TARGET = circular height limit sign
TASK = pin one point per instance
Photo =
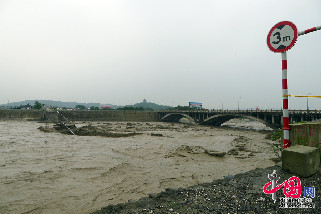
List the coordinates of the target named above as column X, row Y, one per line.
column 282, row 36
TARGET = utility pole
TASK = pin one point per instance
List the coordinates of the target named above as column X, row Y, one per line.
column 308, row 102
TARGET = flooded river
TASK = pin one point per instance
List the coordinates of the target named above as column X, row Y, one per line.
column 51, row 172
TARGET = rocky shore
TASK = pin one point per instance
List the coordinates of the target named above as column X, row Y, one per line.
column 240, row 193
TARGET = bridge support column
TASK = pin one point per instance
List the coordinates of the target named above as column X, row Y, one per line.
column 264, row 117
column 291, row 120
column 273, row 119
column 302, row 118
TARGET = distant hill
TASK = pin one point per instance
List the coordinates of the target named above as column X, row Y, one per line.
column 53, row 103
column 148, row 105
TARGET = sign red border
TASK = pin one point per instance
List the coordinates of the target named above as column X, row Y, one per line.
column 293, row 41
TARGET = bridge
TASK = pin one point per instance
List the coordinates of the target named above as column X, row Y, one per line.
column 272, row 118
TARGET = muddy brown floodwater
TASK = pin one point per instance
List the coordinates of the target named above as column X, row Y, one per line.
column 51, row 172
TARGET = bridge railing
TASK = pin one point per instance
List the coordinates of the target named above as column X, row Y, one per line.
column 247, row 111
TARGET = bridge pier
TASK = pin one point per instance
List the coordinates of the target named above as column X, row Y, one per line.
column 264, row 117
column 272, row 119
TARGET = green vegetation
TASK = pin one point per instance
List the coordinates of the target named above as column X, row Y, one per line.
column 107, row 109
column 94, row 108
column 276, row 135
column 144, row 106
column 81, row 107
column 37, row 105
column 301, row 122
column 147, row 106
column 181, row 108
column 131, row 108
column 54, row 104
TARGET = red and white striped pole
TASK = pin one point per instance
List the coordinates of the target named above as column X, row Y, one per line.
column 280, row 39
column 309, row 30
column 286, row 127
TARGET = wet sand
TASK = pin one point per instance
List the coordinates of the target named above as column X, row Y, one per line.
column 50, row 172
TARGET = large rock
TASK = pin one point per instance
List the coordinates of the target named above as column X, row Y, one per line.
column 301, row 160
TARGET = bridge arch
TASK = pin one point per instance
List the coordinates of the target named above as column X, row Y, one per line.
column 175, row 117
column 219, row 119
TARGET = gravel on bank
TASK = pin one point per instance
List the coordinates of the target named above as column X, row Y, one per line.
column 241, row 193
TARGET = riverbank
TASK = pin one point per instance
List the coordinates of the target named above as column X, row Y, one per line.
column 242, row 193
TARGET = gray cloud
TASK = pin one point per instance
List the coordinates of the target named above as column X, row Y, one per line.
column 169, row 52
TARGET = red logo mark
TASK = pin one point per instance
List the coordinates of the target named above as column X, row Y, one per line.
column 291, row 189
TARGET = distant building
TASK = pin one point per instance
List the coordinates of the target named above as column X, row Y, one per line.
column 105, row 107
column 28, row 106
column 144, row 101
column 47, row 108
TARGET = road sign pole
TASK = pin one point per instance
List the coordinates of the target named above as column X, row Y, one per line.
column 280, row 39
column 309, row 30
column 286, row 127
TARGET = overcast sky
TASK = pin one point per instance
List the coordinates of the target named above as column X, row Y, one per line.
column 168, row 51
